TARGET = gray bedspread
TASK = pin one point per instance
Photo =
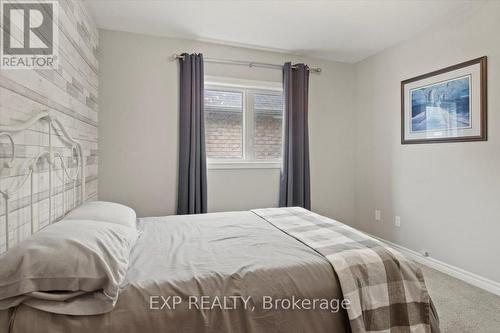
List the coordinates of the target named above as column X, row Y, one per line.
column 385, row 290
column 235, row 254
column 211, row 273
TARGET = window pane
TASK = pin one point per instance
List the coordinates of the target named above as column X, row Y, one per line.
column 224, row 124
column 268, row 111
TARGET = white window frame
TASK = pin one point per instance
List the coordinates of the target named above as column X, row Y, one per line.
column 243, row 86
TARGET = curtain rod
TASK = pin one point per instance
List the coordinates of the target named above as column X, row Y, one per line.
column 246, row 63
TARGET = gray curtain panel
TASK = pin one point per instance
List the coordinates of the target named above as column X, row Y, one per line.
column 192, row 190
column 295, row 173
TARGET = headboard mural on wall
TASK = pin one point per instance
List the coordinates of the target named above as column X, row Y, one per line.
column 68, row 94
column 53, row 181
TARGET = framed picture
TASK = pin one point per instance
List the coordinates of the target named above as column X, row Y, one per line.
column 446, row 105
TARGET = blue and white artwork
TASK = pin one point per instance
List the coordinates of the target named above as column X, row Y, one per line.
column 441, row 106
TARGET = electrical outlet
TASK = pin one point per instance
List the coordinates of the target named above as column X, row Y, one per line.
column 378, row 215
column 397, row 221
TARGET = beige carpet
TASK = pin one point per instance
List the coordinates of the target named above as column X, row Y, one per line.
column 462, row 308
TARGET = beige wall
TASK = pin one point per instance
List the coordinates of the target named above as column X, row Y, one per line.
column 139, row 119
column 448, row 195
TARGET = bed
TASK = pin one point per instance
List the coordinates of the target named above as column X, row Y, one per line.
column 217, row 272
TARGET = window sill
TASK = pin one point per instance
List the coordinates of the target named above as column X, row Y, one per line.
column 221, row 165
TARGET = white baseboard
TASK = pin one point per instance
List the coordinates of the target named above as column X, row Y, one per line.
column 461, row 274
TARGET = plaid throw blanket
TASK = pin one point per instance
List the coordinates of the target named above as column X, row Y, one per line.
column 386, row 291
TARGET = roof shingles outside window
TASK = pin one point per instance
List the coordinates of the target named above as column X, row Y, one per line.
column 268, row 103
column 217, row 100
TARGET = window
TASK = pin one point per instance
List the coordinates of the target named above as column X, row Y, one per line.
column 268, row 115
column 224, row 123
column 243, row 124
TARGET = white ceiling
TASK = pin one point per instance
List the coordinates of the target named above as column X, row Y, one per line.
column 346, row 31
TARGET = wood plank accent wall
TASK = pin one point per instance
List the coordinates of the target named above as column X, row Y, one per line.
column 70, row 92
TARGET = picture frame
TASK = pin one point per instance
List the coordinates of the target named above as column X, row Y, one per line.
column 447, row 105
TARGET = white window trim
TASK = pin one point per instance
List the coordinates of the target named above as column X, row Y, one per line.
column 234, row 84
column 221, row 165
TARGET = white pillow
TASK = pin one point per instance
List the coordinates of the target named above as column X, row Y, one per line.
column 70, row 267
column 104, row 211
